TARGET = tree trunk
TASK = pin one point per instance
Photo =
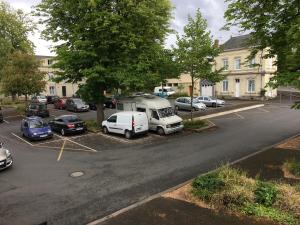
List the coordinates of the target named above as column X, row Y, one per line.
column 100, row 114
column 192, row 96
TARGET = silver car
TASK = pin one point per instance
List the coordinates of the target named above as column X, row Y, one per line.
column 209, row 101
column 185, row 103
column 6, row 159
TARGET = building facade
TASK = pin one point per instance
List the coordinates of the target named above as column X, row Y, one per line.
column 244, row 78
column 61, row 89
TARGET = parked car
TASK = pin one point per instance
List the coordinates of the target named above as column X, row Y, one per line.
column 39, row 99
column 51, row 99
column 163, row 91
column 68, row 124
column 210, row 101
column 1, row 116
column 185, row 103
column 110, row 102
column 34, row 128
column 76, row 105
column 160, row 114
column 127, row 123
column 6, row 159
column 60, row 103
column 37, row 109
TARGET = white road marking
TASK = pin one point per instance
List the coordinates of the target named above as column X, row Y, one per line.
column 240, row 116
column 22, row 139
column 6, row 121
column 84, row 146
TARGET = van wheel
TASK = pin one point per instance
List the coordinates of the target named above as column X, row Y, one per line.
column 62, row 132
column 160, row 131
column 105, row 130
column 128, row 134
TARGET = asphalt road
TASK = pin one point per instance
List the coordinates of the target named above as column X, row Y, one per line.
column 39, row 188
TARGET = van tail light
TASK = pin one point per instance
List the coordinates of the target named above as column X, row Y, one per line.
column 133, row 123
column 70, row 125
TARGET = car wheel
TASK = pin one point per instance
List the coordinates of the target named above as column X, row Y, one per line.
column 62, row 132
column 194, row 109
column 214, row 105
column 128, row 134
column 105, row 130
column 160, row 131
column 176, row 108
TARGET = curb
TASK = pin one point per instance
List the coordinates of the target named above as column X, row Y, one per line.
column 96, row 222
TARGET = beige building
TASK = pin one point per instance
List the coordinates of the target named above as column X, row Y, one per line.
column 61, row 89
column 244, row 79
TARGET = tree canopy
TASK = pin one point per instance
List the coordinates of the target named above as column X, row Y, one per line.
column 275, row 27
column 196, row 51
column 105, row 43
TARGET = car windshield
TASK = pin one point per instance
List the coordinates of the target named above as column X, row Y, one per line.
column 165, row 112
column 72, row 119
column 36, row 124
column 79, row 101
column 42, row 97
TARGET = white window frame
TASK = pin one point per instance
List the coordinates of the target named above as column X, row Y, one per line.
column 237, row 59
column 226, row 83
column 251, row 88
column 225, row 65
column 52, row 90
column 252, row 63
column 50, row 75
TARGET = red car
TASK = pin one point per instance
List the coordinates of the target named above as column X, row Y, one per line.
column 60, row 103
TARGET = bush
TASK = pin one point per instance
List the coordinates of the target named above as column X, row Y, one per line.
column 293, row 167
column 265, row 193
column 179, row 94
column 194, row 124
column 205, row 186
column 92, row 126
column 270, row 213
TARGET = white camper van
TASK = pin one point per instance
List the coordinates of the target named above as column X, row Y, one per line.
column 159, row 111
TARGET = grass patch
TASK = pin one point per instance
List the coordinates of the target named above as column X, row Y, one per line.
column 231, row 189
column 194, row 124
column 92, row 126
column 21, row 109
column 293, row 167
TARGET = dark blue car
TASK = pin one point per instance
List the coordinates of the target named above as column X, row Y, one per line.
column 34, row 128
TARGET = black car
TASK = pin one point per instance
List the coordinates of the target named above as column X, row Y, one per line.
column 51, row 99
column 37, row 109
column 110, row 102
column 1, row 116
column 76, row 105
column 68, row 124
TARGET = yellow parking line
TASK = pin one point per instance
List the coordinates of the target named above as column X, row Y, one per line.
column 22, row 139
column 61, row 151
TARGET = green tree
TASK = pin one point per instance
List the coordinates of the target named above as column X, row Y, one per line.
column 107, row 44
column 196, row 52
column 275, row 28
column 22, row 75
column 14, row 29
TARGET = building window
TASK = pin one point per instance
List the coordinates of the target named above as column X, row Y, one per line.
column 252, row 63
column 52, row 90
column 175, row 84
column 225, row 85
column 50, row 76
column 225, row 64
column 251, row 86
column 50, row 61
column 237, row 63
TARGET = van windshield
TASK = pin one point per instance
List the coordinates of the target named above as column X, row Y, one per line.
column 166, row 112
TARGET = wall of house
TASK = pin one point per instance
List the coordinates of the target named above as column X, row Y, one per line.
column 53, row 88
column 185, row 81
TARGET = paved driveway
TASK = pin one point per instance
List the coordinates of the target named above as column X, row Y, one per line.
column 39, row 188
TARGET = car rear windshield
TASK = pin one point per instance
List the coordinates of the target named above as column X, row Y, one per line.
column 78, row 101
column 71, row 119
column 166, row 112
column 36, row 124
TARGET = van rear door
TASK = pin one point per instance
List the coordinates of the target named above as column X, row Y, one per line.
column 140, row 122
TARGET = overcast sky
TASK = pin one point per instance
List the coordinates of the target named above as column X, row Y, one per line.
column 212, row 10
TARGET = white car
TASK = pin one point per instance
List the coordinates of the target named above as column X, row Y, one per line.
column 39, row 99
column 6, row 159
column 209, row 101
column 185, row 103
column 127, row 123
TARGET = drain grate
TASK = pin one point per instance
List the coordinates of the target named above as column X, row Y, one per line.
column 77, row 174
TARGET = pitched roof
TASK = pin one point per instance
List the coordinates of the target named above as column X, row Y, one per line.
column 41, row 57
column 237, row 42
